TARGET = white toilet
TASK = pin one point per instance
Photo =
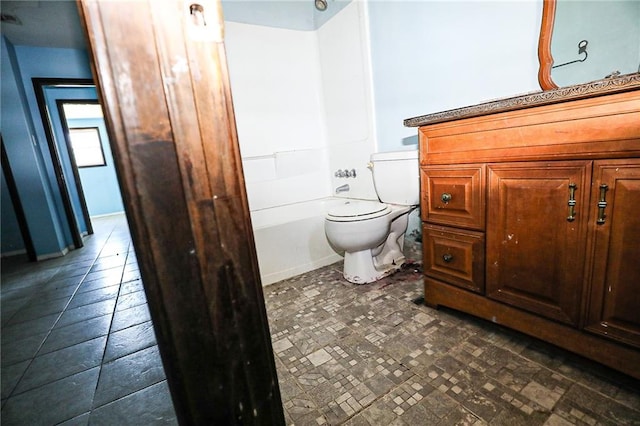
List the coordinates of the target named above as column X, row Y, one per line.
column 371, row 233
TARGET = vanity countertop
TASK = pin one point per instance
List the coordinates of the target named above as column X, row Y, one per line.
column 595, row 88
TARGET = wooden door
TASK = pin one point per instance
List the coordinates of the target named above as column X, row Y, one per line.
column 161, row 72
column 536, row 236
column 614, row 304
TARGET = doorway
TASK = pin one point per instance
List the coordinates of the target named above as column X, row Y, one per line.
column 87, row 141
column 72, row 200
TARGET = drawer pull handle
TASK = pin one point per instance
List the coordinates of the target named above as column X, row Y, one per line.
column 602, row 204
column 572, row 202
column 446, row 197
column 447, row 258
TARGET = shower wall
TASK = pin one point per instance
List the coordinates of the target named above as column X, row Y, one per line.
column 275, row 80
column 304, row 108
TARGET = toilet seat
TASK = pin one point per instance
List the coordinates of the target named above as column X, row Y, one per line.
column 352, row 211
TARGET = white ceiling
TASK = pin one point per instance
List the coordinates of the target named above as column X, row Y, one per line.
column 55, row 23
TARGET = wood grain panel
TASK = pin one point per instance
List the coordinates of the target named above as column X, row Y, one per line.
column 163, row 80
column 465, row 187
column 455, row 256
column 623, row 103
column 591, row 128
column 614, row 307
column 535, row 255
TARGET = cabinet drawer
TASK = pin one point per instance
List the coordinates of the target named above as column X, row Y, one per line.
column 454, row 196
column 455, row 256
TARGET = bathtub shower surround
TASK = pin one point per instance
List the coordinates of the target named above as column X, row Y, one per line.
column 290, row 239
column 303, row 111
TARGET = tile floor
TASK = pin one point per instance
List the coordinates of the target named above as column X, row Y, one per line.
column 78, row 348
column 77, row 341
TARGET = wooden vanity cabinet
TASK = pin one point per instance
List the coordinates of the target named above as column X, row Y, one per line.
column 531, row 219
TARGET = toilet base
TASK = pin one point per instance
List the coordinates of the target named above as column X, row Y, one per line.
column 359, row 267
column 371, row 264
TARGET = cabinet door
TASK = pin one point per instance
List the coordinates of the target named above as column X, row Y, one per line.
column 614, row 305
column 536, row 236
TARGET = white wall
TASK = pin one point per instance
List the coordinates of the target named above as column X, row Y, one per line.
column 431, row 56
column 304, row 108
column 348, row 98
column 277, row 96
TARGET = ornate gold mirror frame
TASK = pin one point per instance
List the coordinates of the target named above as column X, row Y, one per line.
column 544, row 45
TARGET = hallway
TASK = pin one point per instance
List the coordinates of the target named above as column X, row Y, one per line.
column 77, row 340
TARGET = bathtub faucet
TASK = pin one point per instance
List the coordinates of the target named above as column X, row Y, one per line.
column 342, row 188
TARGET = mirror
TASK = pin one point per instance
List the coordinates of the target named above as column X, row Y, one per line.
column 587, row 41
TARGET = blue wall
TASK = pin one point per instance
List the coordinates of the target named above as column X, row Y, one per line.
column 50, row 63
column 100, row 184
column 437, row 55
column 51, row 94
column 12, row 242
column 25, row 139
column 612, row 29
column 26, row 161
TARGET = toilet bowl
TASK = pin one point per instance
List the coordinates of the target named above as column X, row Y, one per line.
column 371, row 233
column 371, row 242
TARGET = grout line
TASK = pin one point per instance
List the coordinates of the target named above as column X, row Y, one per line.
column 510, row 345
column 12, row 392
column 113, row 314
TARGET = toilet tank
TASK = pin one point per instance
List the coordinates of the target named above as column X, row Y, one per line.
column 396, row 177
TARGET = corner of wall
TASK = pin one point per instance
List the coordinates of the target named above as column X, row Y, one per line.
column 17, row 130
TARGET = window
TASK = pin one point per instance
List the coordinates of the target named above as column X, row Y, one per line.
column 87, row 147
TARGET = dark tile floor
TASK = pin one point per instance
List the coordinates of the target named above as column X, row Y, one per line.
column 77, row 342
column 78, row 348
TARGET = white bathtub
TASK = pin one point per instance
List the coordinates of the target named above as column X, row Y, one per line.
column 290, row 239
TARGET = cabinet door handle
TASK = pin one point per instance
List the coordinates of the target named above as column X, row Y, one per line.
column 447, row 257
column 446, row 197
column 572, row 202
column 602, row 204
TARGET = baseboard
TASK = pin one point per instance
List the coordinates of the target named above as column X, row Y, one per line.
column 53, row 255
column 298, row 270
column 98, row 216
column 13, row 253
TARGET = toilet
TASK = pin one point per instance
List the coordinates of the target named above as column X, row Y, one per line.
column 371, row 233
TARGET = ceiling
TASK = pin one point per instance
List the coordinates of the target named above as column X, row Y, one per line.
column 52, row 23
column 43, row 23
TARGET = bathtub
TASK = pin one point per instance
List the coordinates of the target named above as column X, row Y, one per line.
column 290, row 239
